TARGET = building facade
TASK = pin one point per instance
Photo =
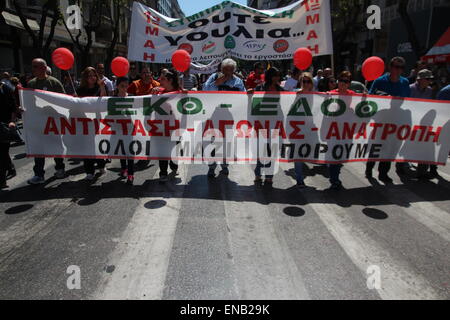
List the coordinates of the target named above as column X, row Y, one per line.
column 16, row 45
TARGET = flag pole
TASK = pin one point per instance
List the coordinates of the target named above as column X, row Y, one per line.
column 332, row 64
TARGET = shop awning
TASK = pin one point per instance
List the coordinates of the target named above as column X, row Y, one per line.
column 14, row 21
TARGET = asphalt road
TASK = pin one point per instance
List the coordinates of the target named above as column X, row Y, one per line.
column 195, row 238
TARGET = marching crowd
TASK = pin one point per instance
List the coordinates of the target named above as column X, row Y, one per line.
column 93, row 82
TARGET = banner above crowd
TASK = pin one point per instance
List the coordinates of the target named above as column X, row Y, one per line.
column 238, row 127
column 231, row 29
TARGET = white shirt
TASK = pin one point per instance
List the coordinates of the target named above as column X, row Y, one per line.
column 316, row 80
column 108, row 84
column 290, row 84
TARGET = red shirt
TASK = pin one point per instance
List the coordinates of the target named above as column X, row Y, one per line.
column 162, row 90
column 139, row 88
column 348, row 91
column 254, row 80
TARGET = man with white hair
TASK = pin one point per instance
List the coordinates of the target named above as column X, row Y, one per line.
column 223, row 81
column 43, row 81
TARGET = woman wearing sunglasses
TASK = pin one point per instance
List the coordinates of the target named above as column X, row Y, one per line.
column 169, row 80
column 306, row 85
column 92, row 86
column 126, row 166
column 344, row 81
column 272, row 78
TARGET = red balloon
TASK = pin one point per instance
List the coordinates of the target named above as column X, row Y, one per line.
column 181, row 60
column 63, row 58
column 120, row 66
column 373, row 68
column 302, row 58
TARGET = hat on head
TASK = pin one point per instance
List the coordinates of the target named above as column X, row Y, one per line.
column 424, row 74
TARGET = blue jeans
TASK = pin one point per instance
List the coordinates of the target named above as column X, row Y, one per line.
column 298, row 166
column 334, row 171
column 259, row 165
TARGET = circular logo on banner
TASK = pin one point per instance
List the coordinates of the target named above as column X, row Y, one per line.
column 186, row 47
column 280, row 45
column 209, row 47
column 229, row 42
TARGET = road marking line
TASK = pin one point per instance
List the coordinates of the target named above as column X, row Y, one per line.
column 426, row 213
column 398, row 279
column 264, row 265
column 141, row 258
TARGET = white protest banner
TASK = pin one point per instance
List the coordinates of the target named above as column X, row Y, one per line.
column 198, row 68
column 321, row 128
column 231, row 29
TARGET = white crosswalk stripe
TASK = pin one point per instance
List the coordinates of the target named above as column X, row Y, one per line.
column 424, row 212
column 399, row 280
column 141, row 257
column 265, row 269
column 263, row 263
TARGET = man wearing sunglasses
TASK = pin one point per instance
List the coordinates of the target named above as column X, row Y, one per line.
column 395, row 85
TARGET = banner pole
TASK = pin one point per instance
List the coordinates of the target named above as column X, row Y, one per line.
column 332, row 64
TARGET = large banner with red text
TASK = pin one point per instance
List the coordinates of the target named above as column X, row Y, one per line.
column 238, row 127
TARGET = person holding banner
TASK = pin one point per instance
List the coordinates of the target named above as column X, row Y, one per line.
column 306, row 86
column 392, row 84
column 92, row 86
column 344, row 81
column 126, row 166
column 7, row 117
column 43, row 81
column 272, row 78
column 421, row 89
column 444, row 94
column 169, row 83
column 144, row 85
column 100, row 68
column 189, row 81
column 256, row 77
column 223, row 81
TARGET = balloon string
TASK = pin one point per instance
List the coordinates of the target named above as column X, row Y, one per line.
column 74, row 91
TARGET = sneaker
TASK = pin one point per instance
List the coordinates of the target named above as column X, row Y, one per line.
column 385, row 179
column 163, row 178
column 36, row 180
column 130, row 179
column 101, row 171
column 211, row 173
column 124, row 173
column 89, row 177
column 11, row 174
column 301, row 185
column 60, row 174
column 225, row 171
